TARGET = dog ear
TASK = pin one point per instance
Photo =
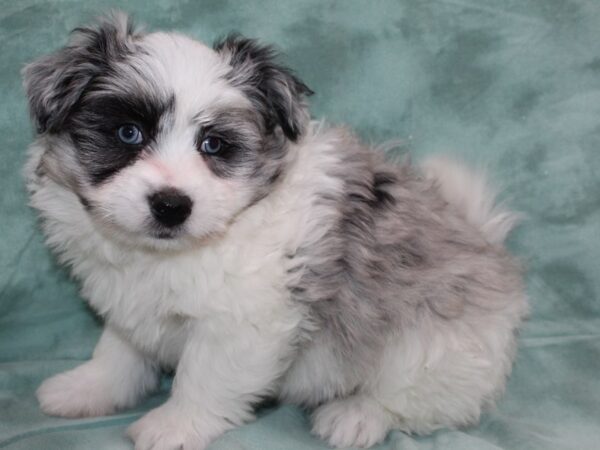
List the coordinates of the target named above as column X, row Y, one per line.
column 54, row 83
column 273, row 89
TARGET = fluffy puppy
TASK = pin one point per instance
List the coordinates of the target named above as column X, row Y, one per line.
column 221, row 233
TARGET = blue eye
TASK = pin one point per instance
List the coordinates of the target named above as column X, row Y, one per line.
column 130, row 134
column 211, row 145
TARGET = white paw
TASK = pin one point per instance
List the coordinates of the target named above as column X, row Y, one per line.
column 352, row 422
column 80, row 392
column 171, row 428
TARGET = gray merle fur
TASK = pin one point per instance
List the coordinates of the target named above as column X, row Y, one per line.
column 55, row 83
column 76, row 91
column 273, row 89
column 395, row 253
column 248, row 151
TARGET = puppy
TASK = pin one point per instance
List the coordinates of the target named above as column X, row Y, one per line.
column 221, row 233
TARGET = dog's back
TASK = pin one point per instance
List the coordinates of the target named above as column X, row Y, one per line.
column 414, row 299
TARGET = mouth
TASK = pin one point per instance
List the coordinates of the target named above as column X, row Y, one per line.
column 165, row 234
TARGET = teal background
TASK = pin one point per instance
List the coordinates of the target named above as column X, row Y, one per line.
column 510, row 85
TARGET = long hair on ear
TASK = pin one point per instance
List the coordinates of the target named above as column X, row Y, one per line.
column 274, row 90
column 54, row 83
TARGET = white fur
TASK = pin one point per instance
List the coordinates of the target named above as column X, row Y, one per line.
column 218, row 310
column 355, row 421
column 116, row 377
column 218, row 313
column 469, row 192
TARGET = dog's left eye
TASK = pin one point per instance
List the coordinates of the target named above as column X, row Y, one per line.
column 130, row 134
column 211, row 145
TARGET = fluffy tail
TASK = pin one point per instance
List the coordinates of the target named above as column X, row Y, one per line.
column 469, row 192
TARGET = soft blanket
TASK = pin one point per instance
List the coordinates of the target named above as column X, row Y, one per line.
column 512, row 85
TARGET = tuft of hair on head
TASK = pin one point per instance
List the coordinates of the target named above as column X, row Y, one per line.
column 273, row 89
column 54, row 83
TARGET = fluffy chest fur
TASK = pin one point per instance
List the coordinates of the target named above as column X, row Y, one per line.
column 149, row 297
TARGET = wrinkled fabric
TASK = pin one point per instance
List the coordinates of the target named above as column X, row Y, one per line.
column 512, row 86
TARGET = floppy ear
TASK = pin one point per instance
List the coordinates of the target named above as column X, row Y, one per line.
column 54, row 83
column 273, row 89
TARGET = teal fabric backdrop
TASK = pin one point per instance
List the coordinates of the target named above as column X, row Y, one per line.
column 511, row 85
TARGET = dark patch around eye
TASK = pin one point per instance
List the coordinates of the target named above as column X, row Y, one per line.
column 240, row 144
column 94, row 123
column 232, row 157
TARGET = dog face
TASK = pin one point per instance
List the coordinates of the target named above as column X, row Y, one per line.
column 163, row 139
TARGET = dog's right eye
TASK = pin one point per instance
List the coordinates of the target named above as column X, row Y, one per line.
column 130, row 134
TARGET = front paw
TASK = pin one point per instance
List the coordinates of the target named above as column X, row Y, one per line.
column 81, row 392
column 170, row 427
column 355, row 421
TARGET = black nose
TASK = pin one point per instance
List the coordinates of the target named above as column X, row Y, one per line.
column 170, row 207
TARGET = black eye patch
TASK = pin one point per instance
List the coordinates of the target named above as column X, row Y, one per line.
column 94, row 126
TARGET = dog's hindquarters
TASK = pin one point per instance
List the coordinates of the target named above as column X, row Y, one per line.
column 459, row 300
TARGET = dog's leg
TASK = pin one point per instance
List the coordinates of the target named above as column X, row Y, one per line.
column 355, row 421
column 224, row 370
column 116, row 377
